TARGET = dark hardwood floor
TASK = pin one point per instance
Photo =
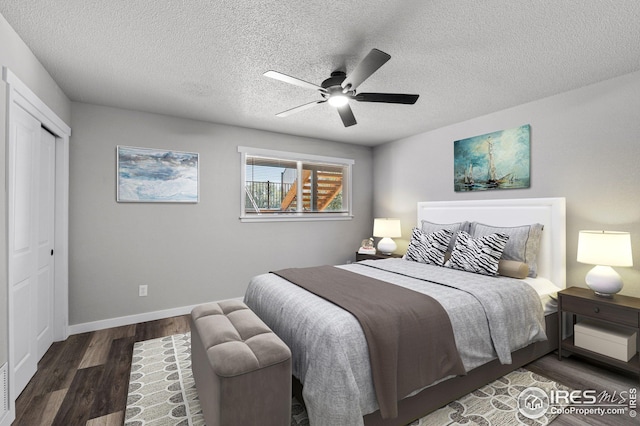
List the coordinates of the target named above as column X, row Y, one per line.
column 84, row 380
column 582, row 374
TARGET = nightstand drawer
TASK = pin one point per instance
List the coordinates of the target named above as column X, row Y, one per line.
column 600, row 310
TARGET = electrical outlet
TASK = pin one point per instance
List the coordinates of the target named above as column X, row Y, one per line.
column 142, row 290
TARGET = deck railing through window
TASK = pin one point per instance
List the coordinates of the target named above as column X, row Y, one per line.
column 281, row 186
column 266, row 195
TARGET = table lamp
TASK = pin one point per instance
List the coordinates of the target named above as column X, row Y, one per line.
column 387, row 229
column 604, row 249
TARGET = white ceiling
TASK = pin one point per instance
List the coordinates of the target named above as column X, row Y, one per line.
column 205, row 59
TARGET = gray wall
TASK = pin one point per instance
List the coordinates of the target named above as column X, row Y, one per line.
column 585, row 146
column 187, row 253
column 16, row 56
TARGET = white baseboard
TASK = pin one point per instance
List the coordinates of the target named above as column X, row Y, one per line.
column 132, row 319
column 7, row 419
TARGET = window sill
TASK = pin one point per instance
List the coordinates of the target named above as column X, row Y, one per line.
column 293, row 217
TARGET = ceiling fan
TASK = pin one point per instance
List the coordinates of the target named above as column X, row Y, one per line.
column 338, row 89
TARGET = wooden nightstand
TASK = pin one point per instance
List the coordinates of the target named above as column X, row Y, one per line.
column 619, row 310
column 360, row 256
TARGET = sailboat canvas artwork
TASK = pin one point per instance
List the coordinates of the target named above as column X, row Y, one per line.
column 498, row 160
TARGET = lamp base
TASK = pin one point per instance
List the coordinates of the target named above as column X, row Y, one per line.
column 608, row 295
column 604, row 281
column 387, row 246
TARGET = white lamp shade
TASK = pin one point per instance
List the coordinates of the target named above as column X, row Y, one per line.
column 386, row 228
column 605, row 248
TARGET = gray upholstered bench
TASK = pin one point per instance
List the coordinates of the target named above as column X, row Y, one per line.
column 242, row 370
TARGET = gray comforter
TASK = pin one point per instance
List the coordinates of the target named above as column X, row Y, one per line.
column 491, row 317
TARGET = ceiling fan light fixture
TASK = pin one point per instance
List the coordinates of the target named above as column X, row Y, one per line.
column 338, row 101
column 338, row 89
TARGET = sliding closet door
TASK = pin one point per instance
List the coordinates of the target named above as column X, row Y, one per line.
column 31, row 164
column 45, row 192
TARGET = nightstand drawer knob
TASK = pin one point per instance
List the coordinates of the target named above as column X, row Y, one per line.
column 596, row 309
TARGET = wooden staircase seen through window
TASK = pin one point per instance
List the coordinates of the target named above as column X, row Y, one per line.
column 327, row 186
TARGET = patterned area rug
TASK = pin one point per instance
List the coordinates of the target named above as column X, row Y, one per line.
column 162, row 392
column 494, row 404
column 161, row 388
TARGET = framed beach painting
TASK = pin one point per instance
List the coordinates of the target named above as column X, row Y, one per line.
column 498, row 160
column 156, row 176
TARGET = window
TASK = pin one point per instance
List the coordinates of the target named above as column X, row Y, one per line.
column 279, row 185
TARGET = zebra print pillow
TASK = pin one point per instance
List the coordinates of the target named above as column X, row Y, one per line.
column 479, row 255
column 428, row 248
column 429, row 227
column 523, row 245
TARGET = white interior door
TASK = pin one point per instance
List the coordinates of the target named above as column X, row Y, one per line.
column 27, row 114
column 45, row 193
column 31, row 199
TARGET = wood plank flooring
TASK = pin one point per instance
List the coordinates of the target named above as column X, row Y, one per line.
column 84, row 380
column 581, row 374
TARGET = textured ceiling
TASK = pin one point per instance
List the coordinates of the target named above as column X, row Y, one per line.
column 205, row 59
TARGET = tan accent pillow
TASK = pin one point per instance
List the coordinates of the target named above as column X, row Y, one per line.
column 506, row 268
column 513, row 269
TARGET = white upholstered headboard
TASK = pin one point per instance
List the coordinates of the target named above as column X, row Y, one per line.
column 548, row 211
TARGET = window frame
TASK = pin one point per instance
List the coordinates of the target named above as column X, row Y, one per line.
column 299, row 158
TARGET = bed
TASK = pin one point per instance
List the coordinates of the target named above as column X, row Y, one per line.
column 329, row 349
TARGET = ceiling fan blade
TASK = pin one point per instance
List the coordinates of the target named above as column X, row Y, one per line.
column 390, row 98
column 348, row 119
column 300, row 108
column 292, row 80
column 370, row 64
